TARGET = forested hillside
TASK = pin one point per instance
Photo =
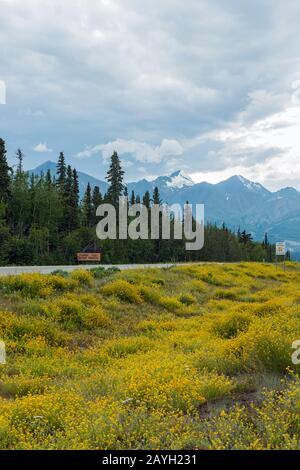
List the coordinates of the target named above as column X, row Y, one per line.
column 44, row 221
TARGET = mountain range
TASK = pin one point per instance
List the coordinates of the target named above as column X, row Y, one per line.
column 236, row 201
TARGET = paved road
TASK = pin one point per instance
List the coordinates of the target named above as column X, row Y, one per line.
column 9, row 270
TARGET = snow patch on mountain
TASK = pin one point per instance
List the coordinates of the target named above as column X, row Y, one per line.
column 179, row 180
column 250, row 184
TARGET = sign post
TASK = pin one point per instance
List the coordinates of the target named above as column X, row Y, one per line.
column 281, row 251
column 90, row 254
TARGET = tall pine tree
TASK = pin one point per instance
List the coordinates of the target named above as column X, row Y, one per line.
column 96, row 202
column 115, row 179
column 61, row 173
column 132, row 199
column 87, row 207
column 147, row 200
column 20, row 158
column 5, row 171
column 156, row 196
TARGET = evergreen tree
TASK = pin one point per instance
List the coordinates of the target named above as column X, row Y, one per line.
column 75, row 189
column 156, row 196
column 246, row 237
column 266, row 241
column 87, row 207
column 61, row 173
column 4, row 236
column 48, row 179
column 68, row 200
column 20, row 204
column 75, row 198
column 20, row 158
column 68, row 184
column 157, row 243
column 269, row 249
column 147, row 200
column 132, row 199
column 115, row 179
column 5, row 171
column 96, row 198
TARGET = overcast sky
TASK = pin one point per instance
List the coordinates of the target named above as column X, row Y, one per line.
column 208, row 86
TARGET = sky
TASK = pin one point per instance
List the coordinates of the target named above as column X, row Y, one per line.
column 211, row 87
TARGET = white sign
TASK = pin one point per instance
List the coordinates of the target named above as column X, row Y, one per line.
column 280, row 249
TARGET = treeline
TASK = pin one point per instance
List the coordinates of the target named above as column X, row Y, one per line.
column 44, row 222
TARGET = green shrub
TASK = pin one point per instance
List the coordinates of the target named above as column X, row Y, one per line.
column 187, row 299
column 230, row 325
column 83, row 276
column 123, row 290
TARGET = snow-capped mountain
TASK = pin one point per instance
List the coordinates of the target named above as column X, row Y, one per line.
column 179, row 180
column 236, row 201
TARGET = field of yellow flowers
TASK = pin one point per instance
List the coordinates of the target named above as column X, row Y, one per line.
column 190, row 357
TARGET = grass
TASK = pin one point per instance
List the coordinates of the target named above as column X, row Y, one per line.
column 193, row 357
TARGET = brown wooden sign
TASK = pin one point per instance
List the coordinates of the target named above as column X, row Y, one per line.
column 87, row 257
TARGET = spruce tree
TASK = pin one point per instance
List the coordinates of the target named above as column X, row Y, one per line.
column 156, row 196
column 67, row 200
column 20, row 158
column 5, row 171
column 48, row 179
column 147, row 200
column 61, row 173
column 75, row 189
column 87, row 207
column 96, row 198
column 74, row 200
column 68, row 184
column 132, row 199
column 157, row 243
column 115, row 179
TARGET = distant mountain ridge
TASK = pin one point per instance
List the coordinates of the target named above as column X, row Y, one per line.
column 84, row 178
column 236, row 201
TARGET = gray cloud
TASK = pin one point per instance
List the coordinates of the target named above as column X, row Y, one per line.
column 89, row 76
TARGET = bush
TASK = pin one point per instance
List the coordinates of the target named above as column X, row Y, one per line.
column 101, row 273
column 158, row 282
column 170, row 303
column 83, row 276
column 36, row 285
column 187, row 299
column 230, row 325
column 230, row 294
column 150, row 294
column 60, row 272
column 123, row 290
column 21, row 328
column 74, row 313
column 125, row 346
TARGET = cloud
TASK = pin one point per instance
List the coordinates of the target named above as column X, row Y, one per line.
column 140, row 151
column 42, row 148
column 161, row 82
column 265, row 149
